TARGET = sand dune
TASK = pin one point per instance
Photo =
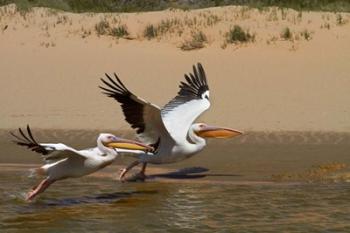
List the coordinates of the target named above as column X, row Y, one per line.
column 51, row 63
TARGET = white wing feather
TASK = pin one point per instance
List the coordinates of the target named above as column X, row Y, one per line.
column 191, row 101
column 180, row 118
column 46, row 149
column 60, row 150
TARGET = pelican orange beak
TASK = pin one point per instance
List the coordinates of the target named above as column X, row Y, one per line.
column 128, row 144
column 218, row 132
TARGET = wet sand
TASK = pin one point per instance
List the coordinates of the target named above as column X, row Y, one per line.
column 252, row 157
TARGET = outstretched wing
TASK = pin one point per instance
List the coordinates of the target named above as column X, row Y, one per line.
column 46, row 149
column 191, row 101
column 143, row 116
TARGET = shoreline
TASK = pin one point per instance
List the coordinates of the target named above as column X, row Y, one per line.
column 86, row 137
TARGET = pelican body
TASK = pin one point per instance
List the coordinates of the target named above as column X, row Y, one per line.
column 171, row 151
column 68, row 162
column 170, row 130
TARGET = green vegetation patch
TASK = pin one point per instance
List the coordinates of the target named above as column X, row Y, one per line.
column 150, row 32
column 238, row 35
column 120, row 32
column 154, row 5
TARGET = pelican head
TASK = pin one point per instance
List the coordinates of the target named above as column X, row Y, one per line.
column 113, row 142
column 207, row 131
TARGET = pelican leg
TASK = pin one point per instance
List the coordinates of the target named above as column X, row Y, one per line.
column 34, row 187
column 128, row 168
column 143, row 169
column 140, row 176
column 41, row 187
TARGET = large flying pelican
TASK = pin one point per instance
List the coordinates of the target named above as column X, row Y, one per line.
column 71, row 163
column 169, row 130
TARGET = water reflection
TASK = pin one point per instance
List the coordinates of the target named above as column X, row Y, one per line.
column 94, row 199
column 175, row 207
column 227, row 200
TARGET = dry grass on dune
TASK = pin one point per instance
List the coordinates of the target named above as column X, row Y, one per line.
column 269, row 68
column 187, row 30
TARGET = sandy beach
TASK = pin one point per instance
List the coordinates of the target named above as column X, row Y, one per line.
column 51, row 63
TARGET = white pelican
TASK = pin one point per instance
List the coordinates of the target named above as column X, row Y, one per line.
column 169, row 130
column 71, row 163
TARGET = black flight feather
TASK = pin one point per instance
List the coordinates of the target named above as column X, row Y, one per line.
column 29, row 141
column 132, row 109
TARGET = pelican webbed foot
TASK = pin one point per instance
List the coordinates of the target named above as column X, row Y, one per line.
column 137, row 177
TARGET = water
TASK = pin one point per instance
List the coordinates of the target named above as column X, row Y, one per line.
column 233, row 189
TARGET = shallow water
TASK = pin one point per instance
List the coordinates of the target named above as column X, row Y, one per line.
column 233, row 191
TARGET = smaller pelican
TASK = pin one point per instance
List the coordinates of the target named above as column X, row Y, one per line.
column 71, row 163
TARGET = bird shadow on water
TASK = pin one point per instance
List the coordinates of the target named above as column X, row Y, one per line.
column 190, row 173
column 93, row 199
column 37, row 211
column 184, row 173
